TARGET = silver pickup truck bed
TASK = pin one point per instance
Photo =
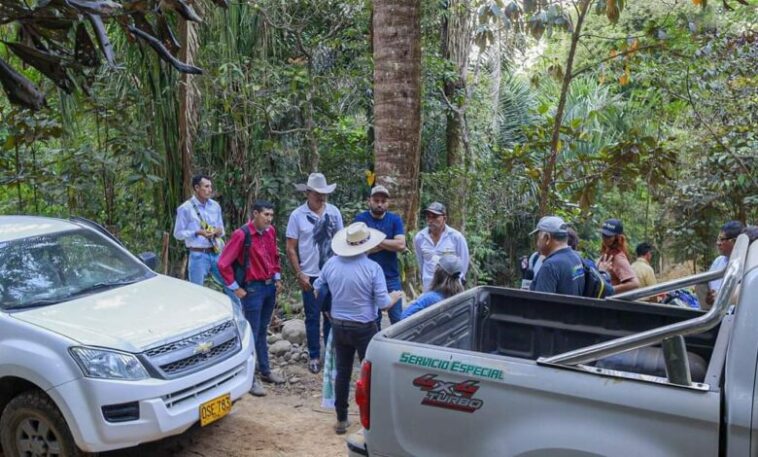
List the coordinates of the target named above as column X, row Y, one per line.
column 470, row 377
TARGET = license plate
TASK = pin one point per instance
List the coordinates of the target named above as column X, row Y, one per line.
column 213, row 410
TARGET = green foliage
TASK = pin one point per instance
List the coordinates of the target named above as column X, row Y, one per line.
column 659, row 125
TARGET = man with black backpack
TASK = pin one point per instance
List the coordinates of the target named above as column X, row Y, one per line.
column 562, row 271
column 250, row 267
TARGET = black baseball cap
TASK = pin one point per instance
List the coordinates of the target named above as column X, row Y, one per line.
column 612, row 227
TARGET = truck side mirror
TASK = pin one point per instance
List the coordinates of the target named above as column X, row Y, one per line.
column 149, row 259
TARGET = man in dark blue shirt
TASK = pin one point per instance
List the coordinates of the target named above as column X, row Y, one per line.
column 379, row 218
column 562, row 271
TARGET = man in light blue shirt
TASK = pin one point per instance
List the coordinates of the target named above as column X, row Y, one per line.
column 309, row 234
column 358, row 291
column 436, row 240
column 200, row 225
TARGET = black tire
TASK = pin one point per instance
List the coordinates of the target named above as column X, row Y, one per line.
column 32, row 426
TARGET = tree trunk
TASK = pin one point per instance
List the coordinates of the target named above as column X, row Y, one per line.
column 546, row 184
column 455, row 44
column 497, row 79
column 188, row 98
column 397, row 102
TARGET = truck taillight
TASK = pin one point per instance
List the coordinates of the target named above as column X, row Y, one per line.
column 363, row 394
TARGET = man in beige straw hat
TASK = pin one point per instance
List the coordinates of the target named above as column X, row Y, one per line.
column 358, row 291
column 310, row 230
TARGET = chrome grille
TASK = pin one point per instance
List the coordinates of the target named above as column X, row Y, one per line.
column 194, row 353
column 190, row 362
column 191, row 341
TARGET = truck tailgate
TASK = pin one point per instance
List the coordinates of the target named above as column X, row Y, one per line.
column 430, row 401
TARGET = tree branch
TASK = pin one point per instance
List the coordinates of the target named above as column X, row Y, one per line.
column 595, row 64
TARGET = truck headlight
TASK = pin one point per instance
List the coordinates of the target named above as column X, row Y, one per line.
column 239, row 319
column 104, row 364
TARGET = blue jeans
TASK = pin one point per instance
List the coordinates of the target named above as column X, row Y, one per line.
column 396, row 311
column 200, row 265
column 258, row 306
column 313, row 310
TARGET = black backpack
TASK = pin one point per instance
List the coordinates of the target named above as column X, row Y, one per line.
column 596, row 283
column 241, row 268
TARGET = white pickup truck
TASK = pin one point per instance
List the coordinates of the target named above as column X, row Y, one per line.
column 505, row 372
column 98, row 352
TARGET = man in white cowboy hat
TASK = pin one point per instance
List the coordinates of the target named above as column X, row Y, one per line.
column 380, row 218
column 309, row 235
column 436, row 240
column 358, row 291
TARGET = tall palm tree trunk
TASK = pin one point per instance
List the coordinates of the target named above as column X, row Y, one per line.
column 397, row 102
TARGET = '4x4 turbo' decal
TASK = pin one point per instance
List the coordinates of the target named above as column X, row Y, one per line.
column 449, row 395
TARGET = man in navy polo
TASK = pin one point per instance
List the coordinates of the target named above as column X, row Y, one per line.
column 379, row 218
column 562, row 271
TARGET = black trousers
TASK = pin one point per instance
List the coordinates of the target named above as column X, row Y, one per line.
column 349, row 337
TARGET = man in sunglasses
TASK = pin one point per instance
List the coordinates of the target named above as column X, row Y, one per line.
column 725, row 243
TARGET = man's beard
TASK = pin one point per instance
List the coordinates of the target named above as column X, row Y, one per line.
column 378, row 212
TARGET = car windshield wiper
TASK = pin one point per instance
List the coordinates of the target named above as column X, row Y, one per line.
column 103, row 286
column 36, row 304
column 87, row 290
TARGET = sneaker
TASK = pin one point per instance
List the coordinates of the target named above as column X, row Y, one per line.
column 273, row 378
column 257, row 390
column 341, row 427
column 314, row 366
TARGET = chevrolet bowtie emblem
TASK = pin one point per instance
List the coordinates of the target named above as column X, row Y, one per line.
column 204, row 347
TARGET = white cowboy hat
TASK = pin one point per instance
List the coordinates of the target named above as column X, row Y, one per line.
column 356, row 239
column 317, row 183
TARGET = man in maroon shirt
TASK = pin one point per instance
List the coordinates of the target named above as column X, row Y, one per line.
column 261, row 284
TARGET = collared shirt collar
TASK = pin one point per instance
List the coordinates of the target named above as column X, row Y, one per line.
column 197, row 201
column 428, row 234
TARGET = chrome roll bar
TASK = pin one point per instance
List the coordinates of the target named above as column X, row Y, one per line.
column 732, row 278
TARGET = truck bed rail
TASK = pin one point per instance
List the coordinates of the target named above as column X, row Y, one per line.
column 732, row 278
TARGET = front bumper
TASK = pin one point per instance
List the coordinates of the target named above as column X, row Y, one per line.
column 167, row 407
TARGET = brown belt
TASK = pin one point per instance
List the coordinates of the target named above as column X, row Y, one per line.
column 205, row 250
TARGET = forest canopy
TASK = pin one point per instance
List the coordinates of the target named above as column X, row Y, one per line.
column 643, row 110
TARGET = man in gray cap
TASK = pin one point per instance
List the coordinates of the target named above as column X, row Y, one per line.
column 436, row 240
column 310, row 230
column 385, row 254
column 562, row 271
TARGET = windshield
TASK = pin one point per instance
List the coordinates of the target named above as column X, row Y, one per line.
column 48, row 269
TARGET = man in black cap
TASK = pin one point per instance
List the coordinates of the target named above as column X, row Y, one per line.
column 436, row 240
column 562, row 271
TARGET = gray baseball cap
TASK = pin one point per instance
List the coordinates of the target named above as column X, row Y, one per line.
column 380, row 190
column 451, row 264
column 551, row 224
column 436, row 208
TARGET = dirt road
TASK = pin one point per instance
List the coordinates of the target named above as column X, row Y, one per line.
column 289, row 421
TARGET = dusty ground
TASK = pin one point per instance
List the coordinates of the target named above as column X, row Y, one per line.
column 289, row 421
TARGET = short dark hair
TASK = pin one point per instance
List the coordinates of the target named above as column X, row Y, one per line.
column 559, row 236
column 197, row 178
column 573, row 238
column 643, row 248
column 732, row 229
column 260, row 205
